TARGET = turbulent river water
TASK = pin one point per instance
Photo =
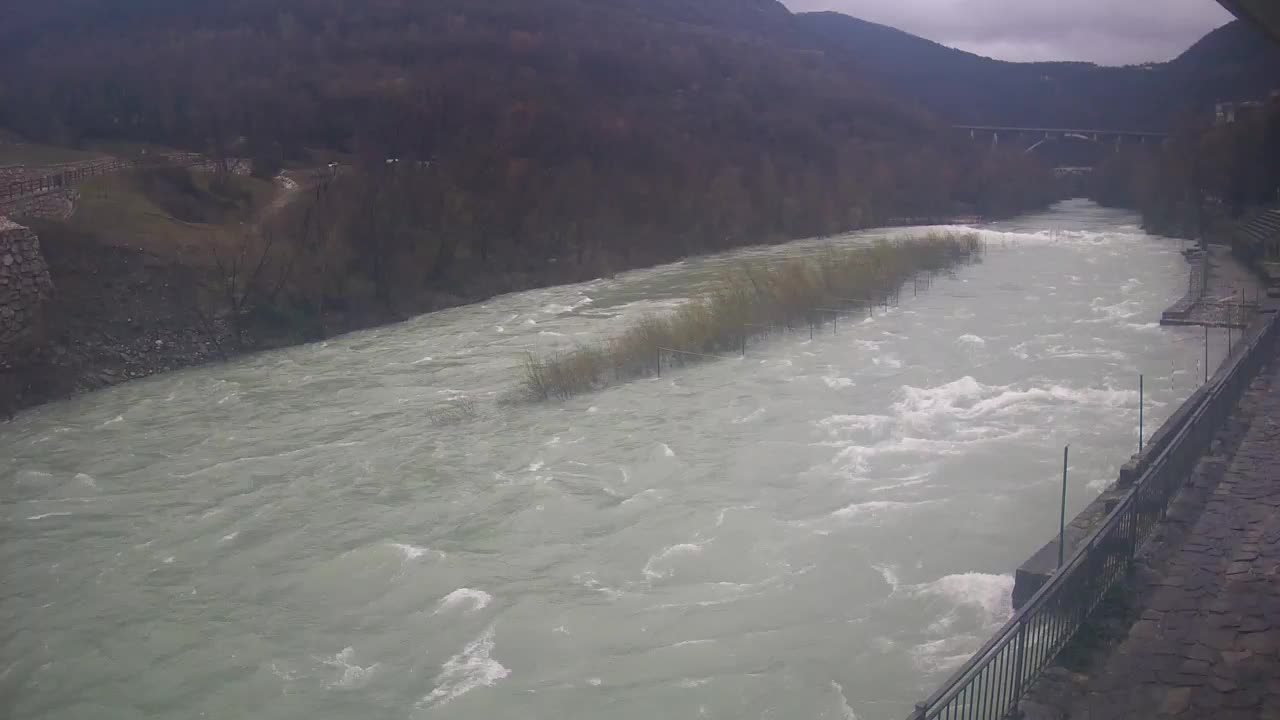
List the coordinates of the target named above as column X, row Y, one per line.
column 358, row 528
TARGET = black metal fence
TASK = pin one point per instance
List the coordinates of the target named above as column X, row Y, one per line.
column 990, row 685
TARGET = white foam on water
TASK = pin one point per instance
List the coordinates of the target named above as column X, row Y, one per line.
column 944, row 655
column 470, row 669
column 420, row 361
column 725, row 511
column 903, row 482
column 353, row 676
column 642, row 494
column 666, row 450
column 87, row 479
column 470, row 600
column 535, row 466
column 969, row 339
column 113, row 421
column 42, row 516
column 837, row 383
column 967, row 399
column 890, row 575
column 550, row 333
column 837, row 424
column 588, row 580
column 753, row 415
column 595, row 682
column 888, row 360
column 229, row 537
column 685, row 643
column 413, row 552
column 690, row 683
column 672, row 551
column 872, row 509
column 988, row 596
column 846, row 712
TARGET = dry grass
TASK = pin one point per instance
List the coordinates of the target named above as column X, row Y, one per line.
column 750, row 301
column 118, row 212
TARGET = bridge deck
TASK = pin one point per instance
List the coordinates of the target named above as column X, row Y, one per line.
column 1077, row 131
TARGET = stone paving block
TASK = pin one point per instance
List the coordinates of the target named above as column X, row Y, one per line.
column 1207, row 644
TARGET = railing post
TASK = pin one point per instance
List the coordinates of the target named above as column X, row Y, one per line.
column 1020, row 662
column 920, row 709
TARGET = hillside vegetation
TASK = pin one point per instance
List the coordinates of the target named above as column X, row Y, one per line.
column 539, row 140
column 1234, row 62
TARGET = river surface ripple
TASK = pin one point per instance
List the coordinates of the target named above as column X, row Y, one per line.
column 822, row 529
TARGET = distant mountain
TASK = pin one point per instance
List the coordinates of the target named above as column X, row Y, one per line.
column 1234, row 62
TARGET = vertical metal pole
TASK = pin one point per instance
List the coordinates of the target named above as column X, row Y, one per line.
column 1021, row 672
column 1230, row 307
column 659, row 362
column 1206, row 353
column 1062, row 517
column 1141, row 407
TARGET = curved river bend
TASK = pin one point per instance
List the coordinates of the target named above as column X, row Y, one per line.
column 822, row 529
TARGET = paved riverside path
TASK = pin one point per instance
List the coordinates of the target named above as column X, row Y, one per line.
column 1207, row 643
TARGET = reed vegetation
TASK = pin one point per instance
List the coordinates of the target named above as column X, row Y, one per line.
column 750, row 301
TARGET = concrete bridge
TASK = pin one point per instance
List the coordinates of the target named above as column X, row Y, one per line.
column 1039, row 135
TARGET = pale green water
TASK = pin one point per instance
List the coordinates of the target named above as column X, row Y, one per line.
column 821, row 529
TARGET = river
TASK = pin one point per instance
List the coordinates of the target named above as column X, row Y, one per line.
column 359, row 528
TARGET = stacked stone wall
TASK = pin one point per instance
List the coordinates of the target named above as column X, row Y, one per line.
column 25, row 288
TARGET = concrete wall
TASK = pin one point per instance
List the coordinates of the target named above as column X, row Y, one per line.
column 25, row 287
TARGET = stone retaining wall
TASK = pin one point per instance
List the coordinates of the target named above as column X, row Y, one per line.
column 25, row 287
column 57, row 205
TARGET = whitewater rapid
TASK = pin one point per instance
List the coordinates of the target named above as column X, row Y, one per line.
column 362, row 528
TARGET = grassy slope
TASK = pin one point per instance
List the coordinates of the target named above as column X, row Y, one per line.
column 117, row 211
column 36, row 155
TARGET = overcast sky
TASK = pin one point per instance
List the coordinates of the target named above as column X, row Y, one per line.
column 1111, row 32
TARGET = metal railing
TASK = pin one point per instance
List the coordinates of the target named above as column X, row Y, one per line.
column 990, row 685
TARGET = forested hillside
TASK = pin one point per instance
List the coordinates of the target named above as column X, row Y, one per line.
column 581, row 134
column 1234, row 62
column 1205, row 179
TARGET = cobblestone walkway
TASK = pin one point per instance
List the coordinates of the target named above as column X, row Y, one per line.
column 1208, row 643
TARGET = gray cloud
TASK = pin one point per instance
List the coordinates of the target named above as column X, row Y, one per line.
column 1111, row 32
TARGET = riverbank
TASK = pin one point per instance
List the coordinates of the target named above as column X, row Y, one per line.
column 123, row 312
